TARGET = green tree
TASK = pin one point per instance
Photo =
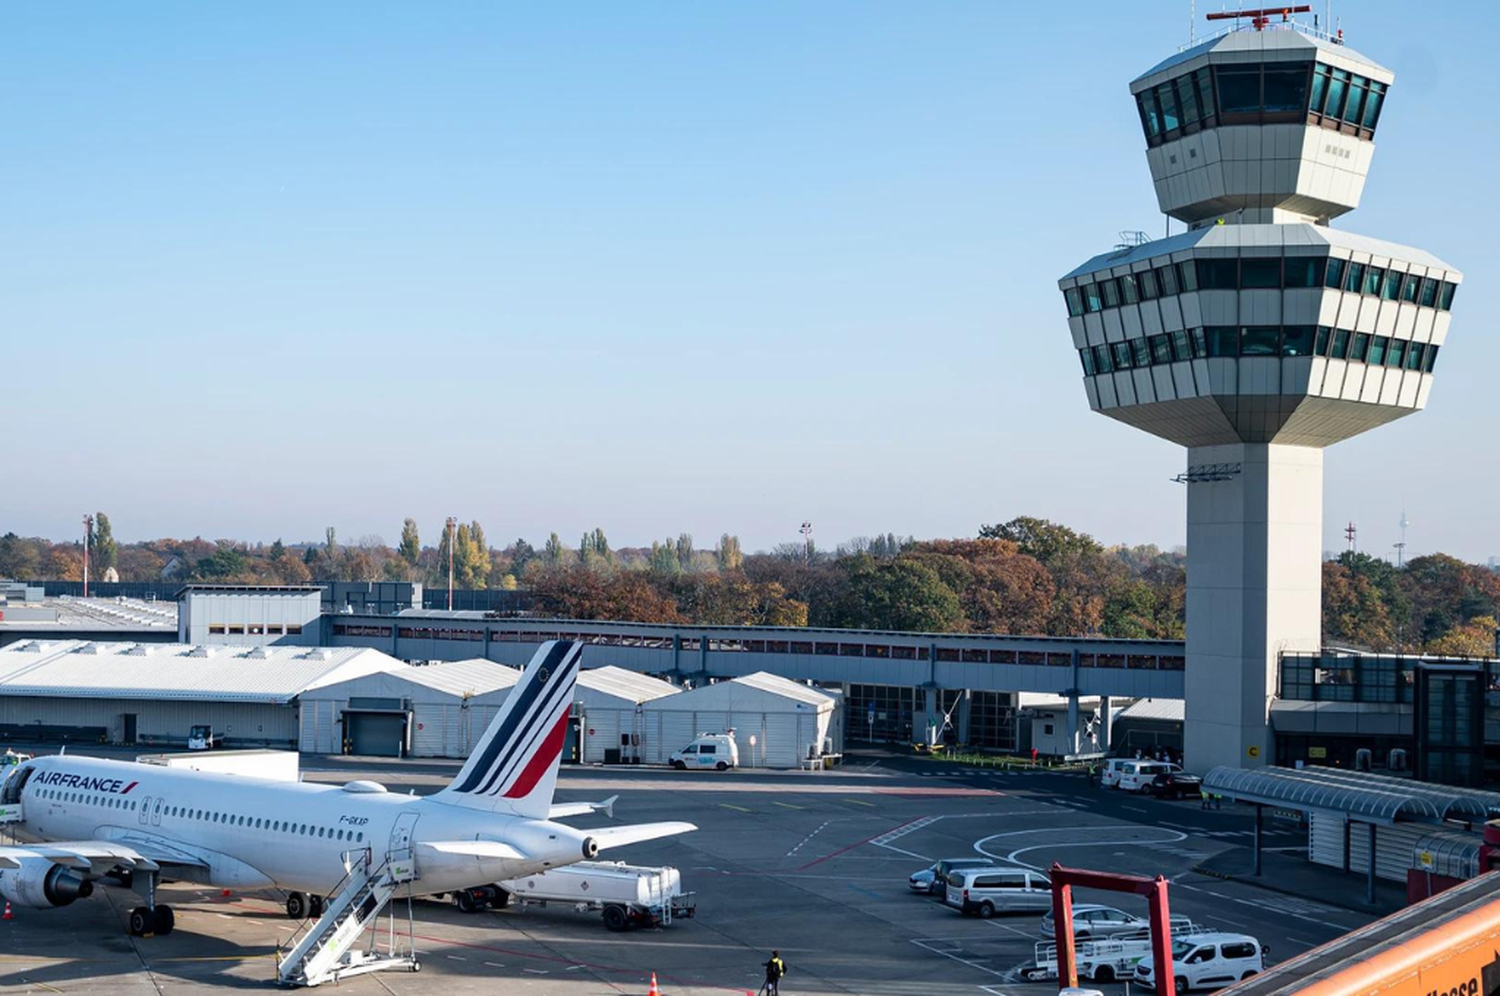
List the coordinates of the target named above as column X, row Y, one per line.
column 278, row 550
column 411, row 545
column 663, row 558
column 1044, row 540
column 105, row 553
column 225, row 562
column 521, row 554
column 554, row 551
column 475, row 557
column 331, row 551
column 899, row 594
column 685, row 551
column 728, row 553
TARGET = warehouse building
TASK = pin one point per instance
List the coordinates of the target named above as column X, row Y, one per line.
column 76, row 691
column 609, row 706
column 249, row 615
column 777, row 722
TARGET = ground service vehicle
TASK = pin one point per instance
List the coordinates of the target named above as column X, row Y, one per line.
column 987, row 891
column 625, row 895
column 204, row 738
column 710, row 750
column 1207, row 961
column 933, row 879
column 1102, row 957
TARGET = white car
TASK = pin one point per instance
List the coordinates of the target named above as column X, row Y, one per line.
column 1207, row 961
column 1095, row 921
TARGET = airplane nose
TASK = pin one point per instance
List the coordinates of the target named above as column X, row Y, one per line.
column 590, row 848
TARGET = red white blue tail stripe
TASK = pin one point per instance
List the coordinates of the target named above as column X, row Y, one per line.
column 514, row 768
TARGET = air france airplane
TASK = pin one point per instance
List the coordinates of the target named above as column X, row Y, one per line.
column 91, row 817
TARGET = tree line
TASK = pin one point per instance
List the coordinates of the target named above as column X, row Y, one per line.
column 1027, row 576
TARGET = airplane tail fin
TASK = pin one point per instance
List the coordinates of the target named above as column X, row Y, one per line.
column 513, row 770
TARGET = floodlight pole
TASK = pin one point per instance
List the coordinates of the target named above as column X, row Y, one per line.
column 88, row 539
column 452, row 522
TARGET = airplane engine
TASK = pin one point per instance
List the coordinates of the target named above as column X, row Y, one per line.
column 590, row 848
column 39, row 884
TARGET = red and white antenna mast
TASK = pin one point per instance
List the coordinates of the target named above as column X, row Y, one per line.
column 1261, row 18
column 1349, row 533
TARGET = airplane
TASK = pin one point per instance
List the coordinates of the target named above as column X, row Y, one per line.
column 85, row 818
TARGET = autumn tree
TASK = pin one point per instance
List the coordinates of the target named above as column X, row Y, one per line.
column 1475, row 638
column 104, row 552
column 411, row 544
column 728, row 555
column 553, row 551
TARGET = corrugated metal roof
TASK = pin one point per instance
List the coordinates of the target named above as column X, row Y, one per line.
column 474, row 676
column 765, row 681
column 623, row 684
column 78, row 669
column 1169, row 710
column 1377, row 798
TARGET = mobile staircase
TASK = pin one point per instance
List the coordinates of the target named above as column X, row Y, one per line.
column 1109, row 959
column 325, row 949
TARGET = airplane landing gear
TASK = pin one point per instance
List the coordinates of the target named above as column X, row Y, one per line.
column 315, row 906
column 152, row 918
column 296, row 905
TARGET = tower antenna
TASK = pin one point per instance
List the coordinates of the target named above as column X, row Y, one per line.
column 1401, row 547
column 1349, row 533
column 807, row 541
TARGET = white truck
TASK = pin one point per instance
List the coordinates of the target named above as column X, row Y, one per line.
column 625, row 895
column 277, row 765
column 1111, row 959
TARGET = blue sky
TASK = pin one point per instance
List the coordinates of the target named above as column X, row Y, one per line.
column 655, row 267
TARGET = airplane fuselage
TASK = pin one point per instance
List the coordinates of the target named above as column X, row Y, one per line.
column 241, row 832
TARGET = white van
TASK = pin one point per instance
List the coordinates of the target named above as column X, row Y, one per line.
column 1136, row 776
column 710, row 750
column 987, row 891
column 1207, row 961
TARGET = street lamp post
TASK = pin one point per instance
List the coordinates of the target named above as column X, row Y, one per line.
column 452, row 523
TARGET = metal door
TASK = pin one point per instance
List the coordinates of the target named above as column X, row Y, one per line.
column 130, row 726
column 146, row 811
column 156, row 812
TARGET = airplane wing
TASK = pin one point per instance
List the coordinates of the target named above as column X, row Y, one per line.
column 620, row 836
column 472, row 849
column 91, row 855
column 561, row 809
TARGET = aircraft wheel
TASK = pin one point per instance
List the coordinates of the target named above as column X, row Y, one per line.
column 296, row 906
column 164, row 919
column 141, row 921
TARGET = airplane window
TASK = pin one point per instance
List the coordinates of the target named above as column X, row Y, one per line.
column 361, row 836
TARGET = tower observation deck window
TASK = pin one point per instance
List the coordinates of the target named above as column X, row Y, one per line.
column 1260, row 342
column 1260, row 273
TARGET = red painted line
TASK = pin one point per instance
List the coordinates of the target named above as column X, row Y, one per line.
column 858, row 843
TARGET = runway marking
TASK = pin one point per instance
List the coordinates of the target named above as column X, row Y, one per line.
column 495, row 964
column 1012, row 858
column 1134, row 809
column 740, row 808
column 1282, row 907
column 804, row 840
column 786, row 805
column 859, row 802
column 964, row 961
column 850, row 847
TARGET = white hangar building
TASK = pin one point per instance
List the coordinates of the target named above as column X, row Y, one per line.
column 609, row 704
column 151, row 694
column 786, row 718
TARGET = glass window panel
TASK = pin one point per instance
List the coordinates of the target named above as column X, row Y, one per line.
column 1087, row 356
column 1239, row 89
column 1103, row 362
column 1256, row 273
column 1319, row 90
column 1335, row 275
column 1409, row 287
column 1223, row 340
column 1354, row 277
column 1200, row 344
column 1336, row 90
column 1297, row 340
column 1161, row 349
column 1091, row 299
column 1146, row 101
column 1320, row 347
column 1218, row 274
column 1181, row 348
column 1340, row 348
column 1361, row 346
column 1355, row 102
column 1171, row 117
column 1304, row 271
column 1147, row 280
column 1430, row 359
column 1128, row 290
column 1374, row 277
column 1377, row 350
column 1414, row 356
column 1187, row 276
column 1392, row 288
column 1142, row 352
column 1445, row 300
column 1166, row 276
column 1187, row 99
column 1205, row 82
column 1372, row 105
column 1286, row 87
column 1075, row 301
column 1428, row 298
column 1122, row 356
column 1111, row 289
column 1395, row 356
column 1260, row 340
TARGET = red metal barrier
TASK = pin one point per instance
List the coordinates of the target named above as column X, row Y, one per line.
column 1155, row 891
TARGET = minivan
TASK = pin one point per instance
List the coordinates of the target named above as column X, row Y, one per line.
column 710, row 750
column 987, row 891
column 1136, row 776
column 1207, row 961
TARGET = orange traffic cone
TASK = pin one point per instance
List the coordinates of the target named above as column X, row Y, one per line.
column 652, row 992
column 8, row 914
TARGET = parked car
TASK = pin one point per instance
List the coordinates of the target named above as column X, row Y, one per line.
column 1136, row 776
column 1095, row 921
column 1176, row 785
column 933, row 880
column 987, row 891
column 1207, row 961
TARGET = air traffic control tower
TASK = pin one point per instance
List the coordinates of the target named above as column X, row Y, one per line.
column 1256, row 338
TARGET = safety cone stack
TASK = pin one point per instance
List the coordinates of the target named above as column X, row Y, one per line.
column 653, row 991
column 8, row 914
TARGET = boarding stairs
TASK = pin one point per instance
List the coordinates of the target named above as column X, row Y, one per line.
column 325, row 950
column 1112, row 957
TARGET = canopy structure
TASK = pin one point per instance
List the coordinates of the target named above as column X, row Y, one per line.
column 1360, row 795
